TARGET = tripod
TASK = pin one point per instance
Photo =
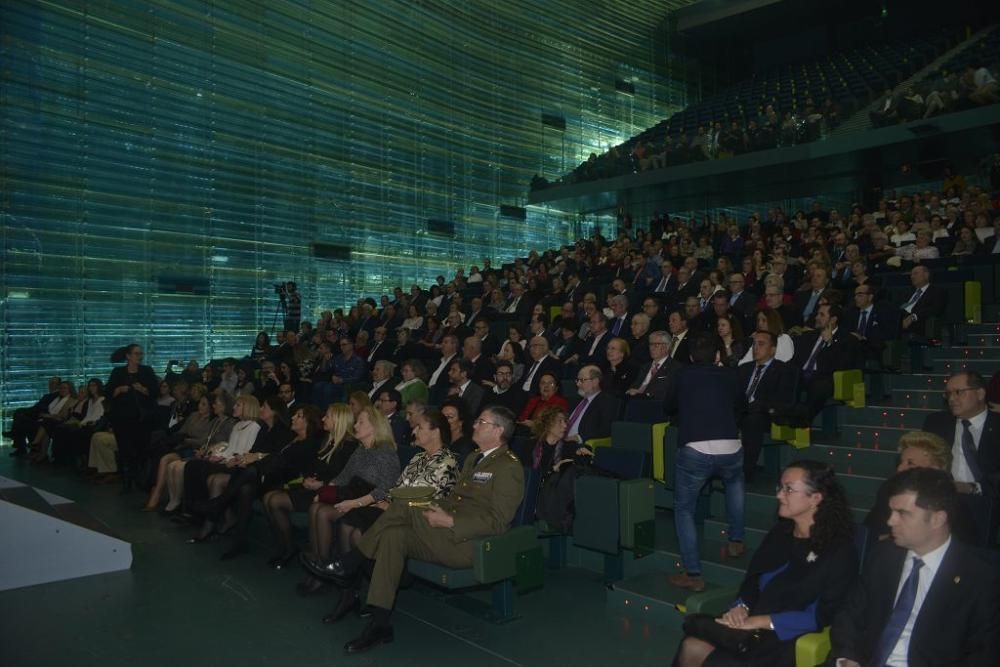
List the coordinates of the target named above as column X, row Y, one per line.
column 281, row 308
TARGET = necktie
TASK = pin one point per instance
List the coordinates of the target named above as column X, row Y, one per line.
column 618, row 327
column 811, row 363
column 662, row 287
column 900, row 614
column 577, row 413
column 863, row 323
column 476, row 461
column 655, row 366
column 913, row 299
column 969, row 451
column 374, row 350
column 531, row 374
column 756, row 381
column 811, row 306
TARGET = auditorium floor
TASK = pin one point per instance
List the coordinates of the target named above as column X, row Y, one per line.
column 180, row 605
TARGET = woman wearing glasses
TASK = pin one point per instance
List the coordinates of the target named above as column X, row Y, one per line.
column 796, row 581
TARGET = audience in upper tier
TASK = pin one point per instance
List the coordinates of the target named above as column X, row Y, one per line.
column 721, row 328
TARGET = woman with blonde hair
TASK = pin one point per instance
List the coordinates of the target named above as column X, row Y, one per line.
column 366, row 479
column 917, row 449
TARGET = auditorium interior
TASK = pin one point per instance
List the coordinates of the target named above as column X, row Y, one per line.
column 324, row 193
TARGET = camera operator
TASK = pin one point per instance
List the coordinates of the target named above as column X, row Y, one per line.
column 292, row 301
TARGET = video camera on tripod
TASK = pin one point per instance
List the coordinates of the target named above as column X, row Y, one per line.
column 283, row 290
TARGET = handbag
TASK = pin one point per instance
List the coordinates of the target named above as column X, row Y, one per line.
column 705, row 627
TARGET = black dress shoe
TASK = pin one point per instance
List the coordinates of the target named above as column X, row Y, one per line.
column 333, row 571
column 370, row 638
column 281, row 562
column 349, row 602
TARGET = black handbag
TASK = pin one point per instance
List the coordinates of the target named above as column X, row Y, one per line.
column 705, row 627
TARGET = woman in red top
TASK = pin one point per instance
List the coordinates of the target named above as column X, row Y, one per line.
column 548, row 396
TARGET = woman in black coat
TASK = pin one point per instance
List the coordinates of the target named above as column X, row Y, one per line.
column 621, row 368
column 131, row 393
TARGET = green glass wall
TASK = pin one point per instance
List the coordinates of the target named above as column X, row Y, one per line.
column 163, row 163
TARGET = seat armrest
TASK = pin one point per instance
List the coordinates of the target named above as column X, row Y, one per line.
column 495, row 558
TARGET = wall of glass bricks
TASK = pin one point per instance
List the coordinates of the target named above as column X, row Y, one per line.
column 164, row 163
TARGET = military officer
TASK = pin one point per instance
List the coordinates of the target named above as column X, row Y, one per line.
column 482, row 503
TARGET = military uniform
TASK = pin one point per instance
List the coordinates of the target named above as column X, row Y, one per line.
column 483, row 503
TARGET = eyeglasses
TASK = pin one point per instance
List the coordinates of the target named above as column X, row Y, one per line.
column 788, row 490
column 483, row 421
column 958, row 392
column 579, row 380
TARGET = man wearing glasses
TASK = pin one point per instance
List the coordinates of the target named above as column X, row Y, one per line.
column 592, row 416
column 482, row 503
column 868, row 322
column 974, row 434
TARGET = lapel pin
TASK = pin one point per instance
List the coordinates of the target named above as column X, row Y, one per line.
column 958, row 580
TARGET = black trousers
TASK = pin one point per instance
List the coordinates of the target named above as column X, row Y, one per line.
column 23, row 427
column 131, row 436
column 753, row 429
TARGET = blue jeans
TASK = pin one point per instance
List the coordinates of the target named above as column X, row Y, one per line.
column 692, row 471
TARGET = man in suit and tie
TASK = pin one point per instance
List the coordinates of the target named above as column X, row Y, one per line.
column 619, row 325
column 487, row 342
column 819, row 353
column 388, row 404
column 381, row 375
column 926, row 303
column 595, row 347
column 482, row 367
column 924, row 599
column 807, row 301
column 476, row 312
column 638, row 340
column 680, row 343
column 686, row 285
column 519, row 306
column 768, row 384
column 380, row 348
column 542, row 362
column 870, row 323
column 664, row 284
column 462, row 385
column 655, row 381
column 438, row 381
column 742, row 303
column 654, row 311
column 592, row 416
column 974, row 434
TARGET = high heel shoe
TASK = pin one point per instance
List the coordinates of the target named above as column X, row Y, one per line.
column 281, row 562
column 203, row 536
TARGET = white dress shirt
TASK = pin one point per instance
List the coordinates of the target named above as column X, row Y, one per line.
column 959, row 466
column 932, row 561
column 437, row 373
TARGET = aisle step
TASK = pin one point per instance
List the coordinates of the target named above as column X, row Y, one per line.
column 885, row 415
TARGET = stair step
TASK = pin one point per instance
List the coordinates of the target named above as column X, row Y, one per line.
column 880, row 463
column 969, row 352
column 758, row 505
column 932, row 381
column 887, row 415
column 915, row 398
column 985, row 366
column 985, row 328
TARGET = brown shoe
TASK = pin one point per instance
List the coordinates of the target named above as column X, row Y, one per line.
column 735, row 549
column 683, row 580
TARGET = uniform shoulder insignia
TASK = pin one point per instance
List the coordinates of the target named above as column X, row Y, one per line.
column 512, row 456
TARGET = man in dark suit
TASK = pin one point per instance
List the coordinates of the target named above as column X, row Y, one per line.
column 406, row 348
column 819, row 353
column 686, row 285
column 519, row 307
column 924, row 599
column 619, row 325
column 379, row 348
column 594, row 350
column 926, row 303
column 775, row 298
column 25, row 421
column 742, row 303
column 664, row 288
column 541, row 362
column 482, row 367
column 806, row 302
column 654, row 311
column 476, row 312
column 974, row 434
column 503, row 392
column 462, row 385
column 438, row 382
column 768, row 384
column 873, row 324
column 655, row 381
column 638, row 340
column 592, row 416
column 488, row 343
column 680, row 338
column 388, row 404
column 382, row 375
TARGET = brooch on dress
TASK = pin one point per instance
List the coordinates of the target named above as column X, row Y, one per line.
column 812, row 557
